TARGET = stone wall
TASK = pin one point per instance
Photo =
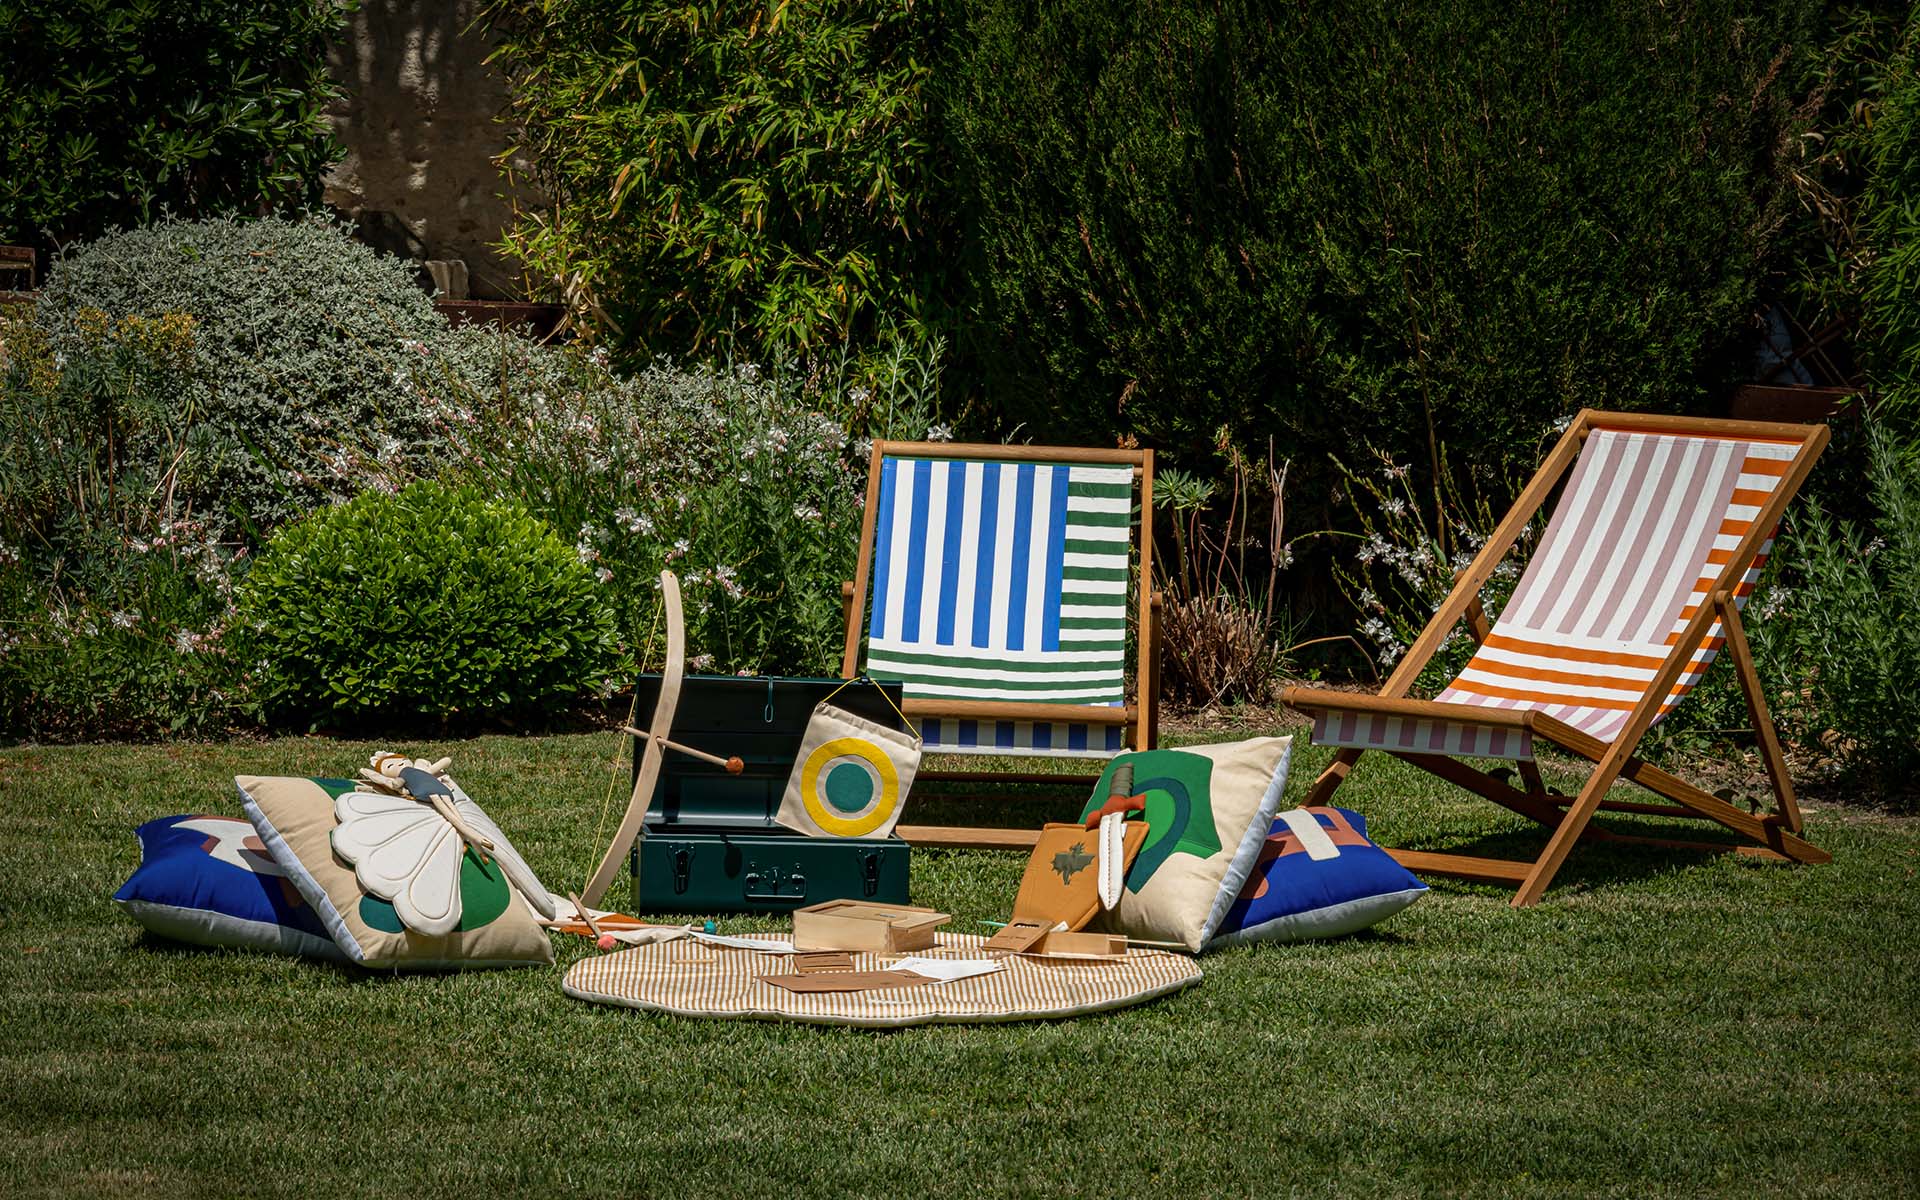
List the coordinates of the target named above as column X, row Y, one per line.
column 418, row 123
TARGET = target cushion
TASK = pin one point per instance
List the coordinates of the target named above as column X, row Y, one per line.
column 1207, row 810
column 210, row 881
column 849, row 778
column 1317, row 876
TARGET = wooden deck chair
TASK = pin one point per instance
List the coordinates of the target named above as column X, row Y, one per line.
column 995, row 583
column 1638, row 582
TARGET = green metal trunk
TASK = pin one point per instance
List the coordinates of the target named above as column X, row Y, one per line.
column 710, row 843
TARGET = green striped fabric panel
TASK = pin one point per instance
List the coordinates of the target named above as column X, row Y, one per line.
column 1002, row 580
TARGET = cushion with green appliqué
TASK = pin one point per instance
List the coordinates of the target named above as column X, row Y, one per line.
column 1207, row 810
column 295, row 820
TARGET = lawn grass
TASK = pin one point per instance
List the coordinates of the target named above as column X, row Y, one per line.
column 1663, row 1023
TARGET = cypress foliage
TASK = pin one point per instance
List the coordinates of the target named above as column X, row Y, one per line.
column 1370, row 221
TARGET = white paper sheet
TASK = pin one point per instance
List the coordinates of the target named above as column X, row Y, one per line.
column 763, row 945
column 946, row 970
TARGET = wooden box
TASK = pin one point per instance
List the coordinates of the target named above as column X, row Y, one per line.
column 864, row 925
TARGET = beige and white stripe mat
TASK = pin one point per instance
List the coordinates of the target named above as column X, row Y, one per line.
column 691, row 979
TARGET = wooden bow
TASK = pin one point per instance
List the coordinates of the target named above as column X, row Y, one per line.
column 651, row 747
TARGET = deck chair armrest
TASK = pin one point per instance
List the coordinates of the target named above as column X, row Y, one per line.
column 1011, row 710
column 1314, row 700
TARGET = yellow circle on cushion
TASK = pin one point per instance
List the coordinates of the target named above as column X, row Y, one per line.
column 883, row 805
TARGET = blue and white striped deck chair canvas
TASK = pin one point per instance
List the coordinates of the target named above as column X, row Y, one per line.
column 995, row 584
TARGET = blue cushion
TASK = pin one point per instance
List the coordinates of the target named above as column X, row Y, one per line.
column 210, row 881
column 1309, row 884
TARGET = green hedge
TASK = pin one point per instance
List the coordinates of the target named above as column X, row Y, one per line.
column 1890, row 231
column 1325, row 223
column 748, row 177
column 112, row 113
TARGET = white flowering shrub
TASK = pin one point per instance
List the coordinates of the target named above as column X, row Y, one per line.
column 1410, row 548
column 115, row 593
column 302, row 336
column 747, row 482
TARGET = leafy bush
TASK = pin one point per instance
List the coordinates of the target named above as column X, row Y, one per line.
column 1404, row 226
column 1891, row 231
column 725, row 171
column 738, row 479
column 1222, row 619
column 111, row 111
column 302, row 337
column 432, row 602
column 1850, row 649
column 113, row 596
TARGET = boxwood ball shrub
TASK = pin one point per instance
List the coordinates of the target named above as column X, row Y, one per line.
column 304, row 339
column 433, row 601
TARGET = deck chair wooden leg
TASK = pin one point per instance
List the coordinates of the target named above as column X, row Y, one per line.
column 1533, row 806
column 1785, row 804
column 1571, row 827
column 1768, row 832
column 1530, row 774
column 1332, row 777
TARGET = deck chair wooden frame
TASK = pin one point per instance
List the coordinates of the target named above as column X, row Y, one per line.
column 1137, row 719
column 1773, row 835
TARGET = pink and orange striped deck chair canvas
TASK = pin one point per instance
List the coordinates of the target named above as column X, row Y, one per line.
column 1659, row 535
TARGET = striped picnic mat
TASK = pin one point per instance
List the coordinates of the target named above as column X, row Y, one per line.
column 694, row 979
column 1003, row 581
column 1645, row 525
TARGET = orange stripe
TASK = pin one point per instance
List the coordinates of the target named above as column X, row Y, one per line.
column 1487, row 689
column 1766, row 466
column 1736, row 528
column 1514, row 672
column 1702, row 434
column 1500, row 641
column 1749, row 496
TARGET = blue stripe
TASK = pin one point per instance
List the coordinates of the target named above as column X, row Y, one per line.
column 1022, row 546
column 916, row 551
column 1003, row 734
column 1076, row 737
column 930, row 731
column 1056, row 560
column 950, row 576
column 969, row 733
column 1114, row 733
column 1042, row 735
column 983, row 562
column 882, row 543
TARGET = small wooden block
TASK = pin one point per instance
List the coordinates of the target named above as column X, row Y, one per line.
column 1018, row 936
column 816, row 961
column 1081, row 945
column 864, row 925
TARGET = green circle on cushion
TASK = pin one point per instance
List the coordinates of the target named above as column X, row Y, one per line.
column 483, row 897
column 849, row 787
column 483, row 892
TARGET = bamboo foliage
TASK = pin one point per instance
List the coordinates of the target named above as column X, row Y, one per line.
column 723, row 176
